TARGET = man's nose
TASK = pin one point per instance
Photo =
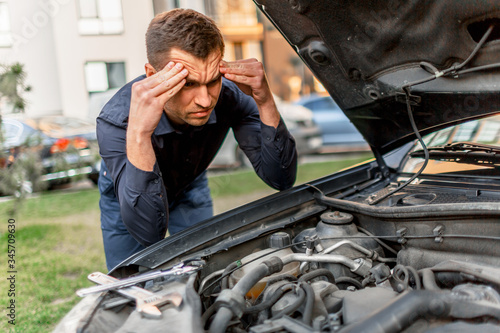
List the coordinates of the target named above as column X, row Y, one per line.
column 203, row 97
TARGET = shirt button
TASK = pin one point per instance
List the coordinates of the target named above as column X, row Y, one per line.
column 268, row 138
column 162, row 214
column 160, row 174
column 156, row 181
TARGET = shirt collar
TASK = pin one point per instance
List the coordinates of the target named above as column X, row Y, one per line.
column 165, row 126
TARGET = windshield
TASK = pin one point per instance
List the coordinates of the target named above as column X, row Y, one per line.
column 484, row 131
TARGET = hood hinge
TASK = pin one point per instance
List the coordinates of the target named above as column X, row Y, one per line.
column 381, row 163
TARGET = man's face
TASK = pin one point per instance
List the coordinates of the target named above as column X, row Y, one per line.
column 194, row 103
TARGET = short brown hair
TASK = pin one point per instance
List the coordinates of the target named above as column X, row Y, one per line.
column 186, row 29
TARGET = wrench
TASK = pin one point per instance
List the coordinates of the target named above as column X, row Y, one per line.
column 145, row 300
column 176, row 270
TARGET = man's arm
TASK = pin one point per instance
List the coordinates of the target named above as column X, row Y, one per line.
column 267, row 143
column 249, row 76
column 130, row 157
column 146, row 108
column 141, row 194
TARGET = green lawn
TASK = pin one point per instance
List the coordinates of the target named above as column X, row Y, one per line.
column 58, row 243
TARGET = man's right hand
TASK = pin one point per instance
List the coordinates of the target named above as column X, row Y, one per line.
column 146, row 108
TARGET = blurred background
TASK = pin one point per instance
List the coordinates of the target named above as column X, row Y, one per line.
column 62, row 60
column 76, row 53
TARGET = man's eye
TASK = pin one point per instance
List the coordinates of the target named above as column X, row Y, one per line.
column 211, row 84
column 188, row 84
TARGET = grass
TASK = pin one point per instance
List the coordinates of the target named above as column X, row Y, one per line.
column 58, row 243
column 238, row 183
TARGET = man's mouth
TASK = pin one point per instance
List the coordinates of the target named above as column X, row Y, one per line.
column 201, row 113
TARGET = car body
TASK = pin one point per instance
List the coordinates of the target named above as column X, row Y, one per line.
column 338, row 133
column 66, row 146
column 300, row 123
column 380, row 247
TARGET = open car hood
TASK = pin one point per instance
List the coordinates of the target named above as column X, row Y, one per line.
column 364, row 52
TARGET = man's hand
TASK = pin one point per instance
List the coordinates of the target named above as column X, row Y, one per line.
column 146, row 108
column 250, row 77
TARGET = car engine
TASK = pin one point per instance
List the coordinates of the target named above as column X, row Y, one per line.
column 424, row 261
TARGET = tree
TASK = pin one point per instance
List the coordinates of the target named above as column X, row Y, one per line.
column 13, row 86
column 20, row 177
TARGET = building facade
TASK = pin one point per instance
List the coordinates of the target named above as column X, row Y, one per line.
column 74, row 51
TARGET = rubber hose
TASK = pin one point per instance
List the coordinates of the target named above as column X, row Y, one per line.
column 225, row 280
column 416, row 277
column 269, row 302
column 308, row 310
column 403, row 312
column 429, row 280
column 316, row 273
column 292, row 307
column 224, row 315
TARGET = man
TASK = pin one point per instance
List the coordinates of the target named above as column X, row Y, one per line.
column 159, row 133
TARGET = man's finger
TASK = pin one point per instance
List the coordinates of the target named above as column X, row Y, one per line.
column 241, row 61
column 170, row 70
column 167, row 94
column 170, row 83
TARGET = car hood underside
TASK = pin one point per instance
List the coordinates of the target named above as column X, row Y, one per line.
column 365, row 52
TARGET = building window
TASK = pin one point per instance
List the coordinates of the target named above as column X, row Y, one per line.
column 100, row 17
column 238, row 50
column 101, row 76
column 5, row 33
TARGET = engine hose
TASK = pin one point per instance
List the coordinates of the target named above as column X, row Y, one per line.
column 308, row 310
column 317, row 273
column 225, row 280
column 403, row 312
column 412, row 306
column 281, row 277
column 402, row 276
column 429, row 280
column 416, row 277
column 207, row 314
column 269, row 302
column 292, row 307
column 224, row 314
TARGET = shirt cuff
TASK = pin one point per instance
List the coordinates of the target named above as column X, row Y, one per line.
column 144, row 181
column 275, row 136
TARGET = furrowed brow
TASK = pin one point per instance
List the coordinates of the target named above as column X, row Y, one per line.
column 217, row 78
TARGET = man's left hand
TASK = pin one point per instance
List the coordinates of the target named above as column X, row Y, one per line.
column 249, row 76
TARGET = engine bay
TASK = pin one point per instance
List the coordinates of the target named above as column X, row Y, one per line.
column 417, row 263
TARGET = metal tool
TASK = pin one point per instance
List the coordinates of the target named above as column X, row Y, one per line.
column 145, row 300
column 179, row 269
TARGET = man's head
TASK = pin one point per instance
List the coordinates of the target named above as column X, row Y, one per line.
column 192, row 39
column 183, row 29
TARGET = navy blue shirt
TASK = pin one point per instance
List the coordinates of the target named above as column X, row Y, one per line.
column 181, row 156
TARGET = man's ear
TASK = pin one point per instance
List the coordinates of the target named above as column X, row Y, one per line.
column 149, row 70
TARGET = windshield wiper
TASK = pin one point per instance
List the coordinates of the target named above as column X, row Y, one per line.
column 464, row 152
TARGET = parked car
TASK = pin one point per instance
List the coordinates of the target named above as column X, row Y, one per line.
column 67, row 146
column 338, row 133
column 300, row 123
column 373, row 248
